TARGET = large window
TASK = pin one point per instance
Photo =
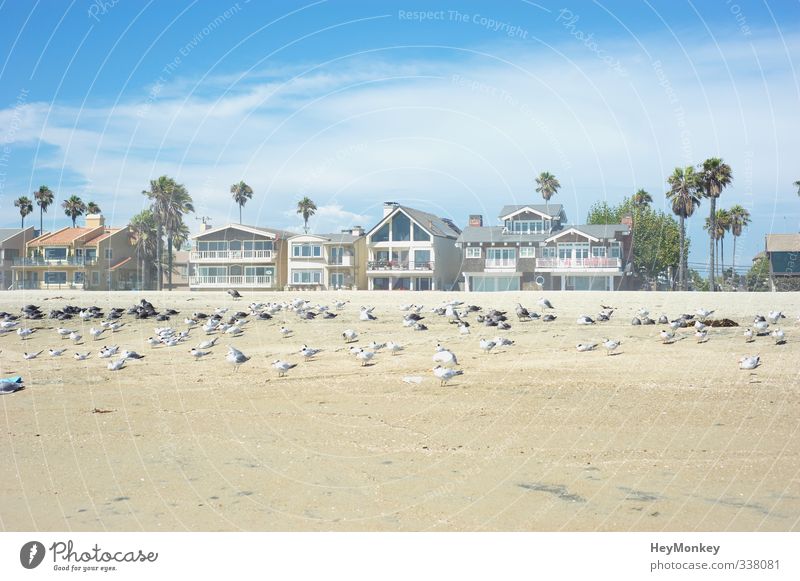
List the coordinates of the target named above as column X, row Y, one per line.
column 306, row 250
column 494, row 283
column 527, row 226
column 473, row 251
column 598, row 251
column 55, row 253
column 422, row 258
column 423, row 284
column 382, row 234
column 615, row 249
column 527, row 252
column 420, row 235
column 380, row 283
column 55, row 277
column 548, row 251
column 212, row 271
column 501, row 257
column 258, row 270
column 401, row 228
column 337, row 280
column 212, row 245
column 337, row 255
column 257, row 245
column 306, row 277
column 587, row 283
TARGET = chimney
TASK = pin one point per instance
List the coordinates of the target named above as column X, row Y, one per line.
column 627, row 219
column 357, row 231
column 388, row 208
column 476, row 220
column 205, row 226
column 95, row 221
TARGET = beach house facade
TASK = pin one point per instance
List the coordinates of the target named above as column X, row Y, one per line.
column 534, row 248
column 783, row 254
column 327, row 261
column 238, row 256
column 92, row 257
column 12, row 247
column 409, row 249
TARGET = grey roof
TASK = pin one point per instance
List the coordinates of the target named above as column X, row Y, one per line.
column 437, row 226
column 340, row 237
column 6, row 233
column 598, row 230
column 495, row 233
column 553, row 210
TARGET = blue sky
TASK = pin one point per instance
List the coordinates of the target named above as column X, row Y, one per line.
column 450, row 106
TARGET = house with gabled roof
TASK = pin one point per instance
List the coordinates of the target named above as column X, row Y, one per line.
column 409, row 249
column 12, row 247
column 328, row 261
column 783, row 253
column 238, row 256
column 534, row 248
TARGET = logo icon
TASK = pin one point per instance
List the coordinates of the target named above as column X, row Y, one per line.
column 31, row 554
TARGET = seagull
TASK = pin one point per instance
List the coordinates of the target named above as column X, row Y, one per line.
column 82, row 356
column 703, row 313
column 283, row 366
column 502, row 341
column 545, row 304
column 463, row 328
column 699, row 325
column 234, row 293
column 663, row 320
column 773, row 317
column 236, row 330
column 153, row 341
column 643, row 313
column 25, row 332
column 364, row 356
column 749, row 362
column 582, row 347
column 779, row 337
column 340, row 304
column 349, row 336
column 748, row 335
column 116, row 365
column 585, row 320
column 285, row 332
column 131, row 355
column 701, row 335
column 548, row 318
column 394, row 348
column 487, row 345
column 75, row 337
column 236, row 357
column 207, row 344
column 610, row 345
column 366, row 315
column 375, row 346
column 64, row 333
column 522, row 313
column 445, row 374
column 197, row 353
column 761, row 327
column 445, row 357
column 308, row 352
column 32, row 355
column 95, row 333
column 667, row 336
column 56, row 352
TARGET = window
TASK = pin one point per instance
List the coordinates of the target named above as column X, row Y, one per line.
column 423, row 284
column 212, row 271
column 257, row 245
column 402, row 283
column 381, row 283
column 258, row 270
column 306, row 277
column 473, row 251
column 337, row 280
column 494, row 283
column 337, row 255
column 90, row 255
column 55, row 253
column 382, row 234
column 422, row 259
column 420, row 235
column 55, row 278
column 108, row 254
column 598, row 251
column 212, row 246
column 95, row 277
column 526, row 226
column 527, row 252
column 548, row 251
column 615, row 250
column 78, row 277
column 501, row 257
column 306, row 250
column 235, row 245
column 401, row 227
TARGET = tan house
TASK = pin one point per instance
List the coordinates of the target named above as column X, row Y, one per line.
column 328, row 261
column 12, row 247
column 92, row 257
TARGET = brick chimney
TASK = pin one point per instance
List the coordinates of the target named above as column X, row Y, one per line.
column 95, row 220
column 476, row 220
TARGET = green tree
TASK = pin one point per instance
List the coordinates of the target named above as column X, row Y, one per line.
column 25, row 207
column 44, row 198
column 92, row 208
column 547, row 185
column 740, row 219
column 685, row 198
column 714, row 176
column 757, row 278
column 641, row 199
column 143, row 233
column 797, row 185
column 73, row 207
column 307, row 208
column 241, row 194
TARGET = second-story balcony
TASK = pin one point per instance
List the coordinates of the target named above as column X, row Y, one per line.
column 230, row 255
column 587, row 263
column 380, row 265
column 41, row 261
column 343, row 261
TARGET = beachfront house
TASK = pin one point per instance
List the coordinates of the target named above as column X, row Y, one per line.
column 327, row 261
column 783, row 253
column 92, row 257
column 409, row 249
column 12, row 247
column 533, row 248
column 238, row 256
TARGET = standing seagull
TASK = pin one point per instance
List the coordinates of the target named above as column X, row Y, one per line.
column 748, row 335
column 349, row 336
column 611, row 345
column 545, row 304
column 445, row 374
column 283, row 366
column 236, row 357
column 779, row 337
column 365, row 356
column 25, row 332
column 30, row 356
column 487, row 345
column 234, row 294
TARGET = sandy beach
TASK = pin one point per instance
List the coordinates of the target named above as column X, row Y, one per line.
column 532, row 437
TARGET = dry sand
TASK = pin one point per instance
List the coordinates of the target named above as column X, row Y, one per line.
column 534, row 437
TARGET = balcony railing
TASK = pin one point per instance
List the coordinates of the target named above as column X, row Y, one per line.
column 227, row 255
column 399, row 265
column 343, row 261
column 578, row 263
column 501, row 263
column 230, row 281
column 39, row 261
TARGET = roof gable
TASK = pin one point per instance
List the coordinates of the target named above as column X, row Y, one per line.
column 544, row 210
column 431, row 224
column 268, row 232
column 572, row 230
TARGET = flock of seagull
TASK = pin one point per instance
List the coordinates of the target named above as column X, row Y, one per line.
column 224, row 323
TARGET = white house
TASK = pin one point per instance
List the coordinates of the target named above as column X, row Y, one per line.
column 412, row 250
column 327, row 261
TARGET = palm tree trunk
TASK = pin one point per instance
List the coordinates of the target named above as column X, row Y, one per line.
column 734, row 261
column 41, row 220
column 722, row 260
column 240, row 213
column 712, row 239
column 681, row 266
column 169, row 262
column 159, row 253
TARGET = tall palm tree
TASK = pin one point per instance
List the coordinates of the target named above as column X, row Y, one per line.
column 685, row 198
column 715, row 176
column 241, row 193
column 723, row 224
column 25, row 207
column 641, row 199
column 74, row 207
column 797, row 185
column 143, row 234
column 44, row 198
column 740, row 219
column 307, row 208
column 178, row 204
column 169, row 201
column 547, row 185
column 92, row 208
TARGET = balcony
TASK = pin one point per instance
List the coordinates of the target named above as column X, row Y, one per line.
column 230, row 255
column 501, row 263
column 344, row 261
column 588, row 263
column 382, row 265
column 39, row 261
column 237, row 281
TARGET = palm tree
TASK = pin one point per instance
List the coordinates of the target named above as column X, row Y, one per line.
column 73, row 207
column 307, row 208
column 715, row 176
column 170, row 201
column 685, row 197
column 92, row 208
column 797, row 185
column 143, row 234
column 739, row 219
column 723, row 224
column 641, row 199
column 25, row 207
column 241, row 193
column 547, row 185
column 44, row 198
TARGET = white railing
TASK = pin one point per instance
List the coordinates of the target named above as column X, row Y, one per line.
column 225, row 255
column 590, row 262
column 230, row 281
column 343, row 261
column 501, row 263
